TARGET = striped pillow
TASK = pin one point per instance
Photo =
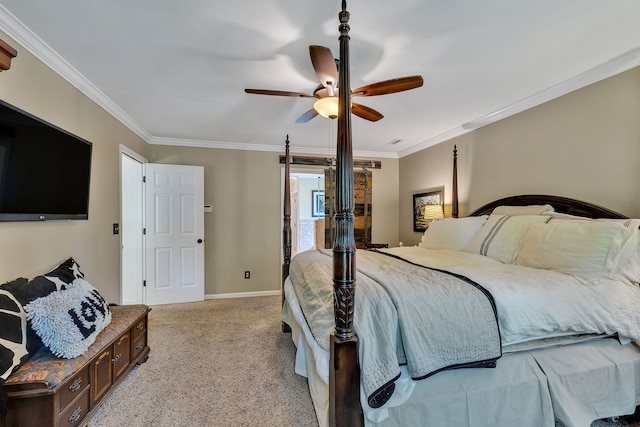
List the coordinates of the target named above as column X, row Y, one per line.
column 501, row 236
column 592, row 249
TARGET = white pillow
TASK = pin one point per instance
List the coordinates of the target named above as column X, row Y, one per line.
column 629, row 265
column 589, row 249
column 523, row 210
column 501, row 236
column 557, row 216
column 452, row 233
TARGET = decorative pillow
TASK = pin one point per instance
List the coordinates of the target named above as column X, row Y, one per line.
column 589, row 249
column 452, row 233
column 629, row 266
column 523, row 210
column 501, row 236
column 69, row 320
column 13, row 334
column 13, row 338
column 58, row 278
column 557, row 216
column 43, row 285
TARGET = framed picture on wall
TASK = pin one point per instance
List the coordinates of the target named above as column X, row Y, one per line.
column 317, row 203
column 420, row 201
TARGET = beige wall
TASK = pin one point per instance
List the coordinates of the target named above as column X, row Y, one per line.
column 244, row 230
column 31, row 248
column 584, row 145
column 385, row 200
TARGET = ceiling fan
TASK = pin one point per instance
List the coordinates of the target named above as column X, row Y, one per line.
column 326, row 94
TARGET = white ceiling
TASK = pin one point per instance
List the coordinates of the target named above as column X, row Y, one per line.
column 175, row 71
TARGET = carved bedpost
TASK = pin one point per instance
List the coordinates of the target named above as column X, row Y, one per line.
column 286, row 227
column 344, row 375
column 454, row 190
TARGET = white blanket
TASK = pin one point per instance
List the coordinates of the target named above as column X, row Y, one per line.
column 536, row 304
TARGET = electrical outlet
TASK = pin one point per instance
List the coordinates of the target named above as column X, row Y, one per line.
column 247, row 275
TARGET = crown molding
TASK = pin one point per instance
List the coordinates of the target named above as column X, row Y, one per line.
column 196, row 143
column 11, row 25
column 450, row 134
column 17, row 30
column 608, row 69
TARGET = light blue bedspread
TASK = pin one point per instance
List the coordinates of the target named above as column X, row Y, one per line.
column 404, row 313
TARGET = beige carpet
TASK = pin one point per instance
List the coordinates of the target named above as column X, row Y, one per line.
column 219, row 363
column 213, row 363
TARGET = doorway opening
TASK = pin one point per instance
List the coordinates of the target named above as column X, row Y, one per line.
column 307, row 210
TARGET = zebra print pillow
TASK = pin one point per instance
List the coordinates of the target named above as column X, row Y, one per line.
column 26, row 291
column 13, row 334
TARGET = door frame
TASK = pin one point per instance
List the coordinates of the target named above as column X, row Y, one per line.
column 137, row 234
column 293, row 171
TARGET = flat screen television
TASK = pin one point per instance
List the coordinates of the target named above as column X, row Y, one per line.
column 44, row 170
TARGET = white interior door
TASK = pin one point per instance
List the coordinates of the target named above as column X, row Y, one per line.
column 174, row 233
column 131, row 225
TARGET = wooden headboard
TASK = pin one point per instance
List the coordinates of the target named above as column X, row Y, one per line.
column 560, row 204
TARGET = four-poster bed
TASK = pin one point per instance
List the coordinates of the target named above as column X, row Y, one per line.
column 546, row 368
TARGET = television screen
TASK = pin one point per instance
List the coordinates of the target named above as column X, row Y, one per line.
column 44, row 170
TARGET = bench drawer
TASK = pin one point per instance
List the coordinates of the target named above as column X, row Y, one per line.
column 74, row 387
column 75, row 413
column 140, row 328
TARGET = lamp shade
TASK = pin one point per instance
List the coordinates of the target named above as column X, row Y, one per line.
column 433, row 212
column 327, row 107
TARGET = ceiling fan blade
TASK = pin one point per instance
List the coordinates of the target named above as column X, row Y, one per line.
column 278, row 93
column 389, row 86
column 307, row 116
column 324, row 65
column 365, row 112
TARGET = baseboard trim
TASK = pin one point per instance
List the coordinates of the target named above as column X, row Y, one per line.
column 243, row 295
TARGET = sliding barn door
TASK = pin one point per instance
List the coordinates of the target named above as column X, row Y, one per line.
column 174, row 233
column 362, row 191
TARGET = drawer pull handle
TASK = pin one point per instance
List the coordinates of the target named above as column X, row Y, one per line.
column 115, row 359
column 77, row 413
column 140, row 326
column 75, row 385
column 140, row 346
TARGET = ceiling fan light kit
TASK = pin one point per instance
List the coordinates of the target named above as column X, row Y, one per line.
column 327, row 107
column 326, row 104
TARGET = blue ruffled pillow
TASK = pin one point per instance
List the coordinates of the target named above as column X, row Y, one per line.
column 68, row 320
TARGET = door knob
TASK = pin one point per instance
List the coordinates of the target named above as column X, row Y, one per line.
column 199, row 240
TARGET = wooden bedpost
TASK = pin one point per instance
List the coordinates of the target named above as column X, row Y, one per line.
column 286, row 227
column 344, row 374
column 454, row 190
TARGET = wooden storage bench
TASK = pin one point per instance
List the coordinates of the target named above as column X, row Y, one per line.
column 51, row 391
